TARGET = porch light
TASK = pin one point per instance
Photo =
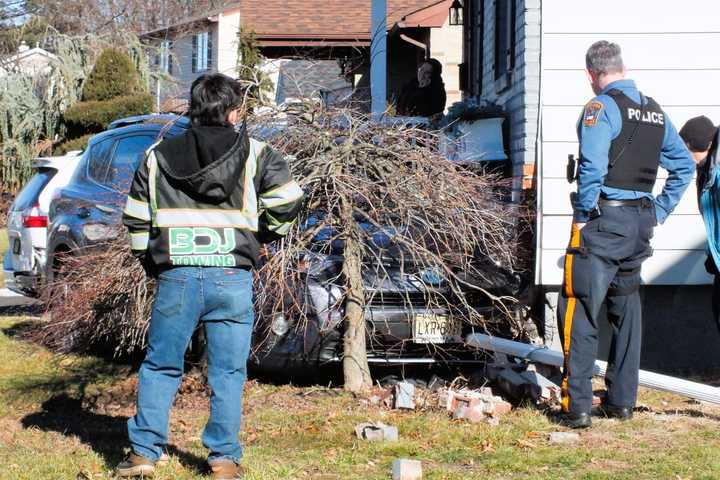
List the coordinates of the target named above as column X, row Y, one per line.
column 456, row 13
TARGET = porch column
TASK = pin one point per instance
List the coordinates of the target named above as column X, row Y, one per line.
column 378, row 58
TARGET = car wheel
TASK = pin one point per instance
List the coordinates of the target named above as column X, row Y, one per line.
column 57, row 288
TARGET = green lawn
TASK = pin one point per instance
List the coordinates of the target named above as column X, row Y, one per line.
column 64, row 418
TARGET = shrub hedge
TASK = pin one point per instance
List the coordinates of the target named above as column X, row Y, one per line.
column 113, row 75
column 95, row 116
column 79, row 143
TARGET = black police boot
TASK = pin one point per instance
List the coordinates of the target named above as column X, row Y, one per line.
column 612, row 411
column 573, row 420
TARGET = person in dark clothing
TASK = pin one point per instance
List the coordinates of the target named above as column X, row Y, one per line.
column 425, row 95
column 198, row 210
column 701, row 137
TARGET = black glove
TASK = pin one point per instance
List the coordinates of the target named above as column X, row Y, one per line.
column 710, row 266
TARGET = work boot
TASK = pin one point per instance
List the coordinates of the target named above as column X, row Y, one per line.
column 226, row 469
column 135, row 466
column 612, row 411
column 573, row 420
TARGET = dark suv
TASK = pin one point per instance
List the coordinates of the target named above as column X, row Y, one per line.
column 401, row 326
column 88, row 210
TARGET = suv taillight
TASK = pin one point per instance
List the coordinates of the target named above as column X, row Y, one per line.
column 32, row 219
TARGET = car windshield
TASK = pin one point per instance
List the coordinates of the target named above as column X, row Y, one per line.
column 28, row 196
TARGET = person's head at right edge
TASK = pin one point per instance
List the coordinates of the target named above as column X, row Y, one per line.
column 698, row 134
column 604, row 64
column 214, row 100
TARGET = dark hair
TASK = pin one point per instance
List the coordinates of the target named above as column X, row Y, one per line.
column 604, row 57
column 698, row 133
column 437, row 71
column 212, row 97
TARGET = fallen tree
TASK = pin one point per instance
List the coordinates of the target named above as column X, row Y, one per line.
column 382, row 194
column 380, row 197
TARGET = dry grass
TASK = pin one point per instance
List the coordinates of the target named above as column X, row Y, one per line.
column 64, row 418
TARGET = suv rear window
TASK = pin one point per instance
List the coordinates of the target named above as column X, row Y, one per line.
column 29, row 194
column 127, row 156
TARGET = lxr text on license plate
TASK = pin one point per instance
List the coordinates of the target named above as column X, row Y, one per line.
column 431, row 328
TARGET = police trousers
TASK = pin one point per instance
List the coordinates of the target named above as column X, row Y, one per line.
column 602, row 264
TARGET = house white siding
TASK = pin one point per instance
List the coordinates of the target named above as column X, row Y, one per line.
column 669, row 48
column 227, row 42
column 182, row 62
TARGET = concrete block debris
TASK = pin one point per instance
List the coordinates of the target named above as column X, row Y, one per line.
column 563, row 437
column 382, row 397
column 474, row 405
column 406, row 469
column 376, row 432
column 405, row 395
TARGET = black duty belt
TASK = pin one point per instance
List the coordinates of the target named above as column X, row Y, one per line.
column 636, row 202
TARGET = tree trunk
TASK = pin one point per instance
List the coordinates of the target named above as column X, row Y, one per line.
column 355, row 365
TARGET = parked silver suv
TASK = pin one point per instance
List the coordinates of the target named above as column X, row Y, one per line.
column 24, row 262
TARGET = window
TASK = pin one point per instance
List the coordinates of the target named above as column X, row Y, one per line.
column 30, row 193
column 202, row 52
column 128, row 154
column 98, row 160
column 164, row 62
column 471, row 71
column 504, row 37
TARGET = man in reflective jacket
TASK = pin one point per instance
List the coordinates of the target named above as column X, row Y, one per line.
column 198, row 210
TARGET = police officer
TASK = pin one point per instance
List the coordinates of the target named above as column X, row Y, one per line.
column 624, row 137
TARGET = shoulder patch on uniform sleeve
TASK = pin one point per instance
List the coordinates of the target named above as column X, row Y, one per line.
column 592, row 113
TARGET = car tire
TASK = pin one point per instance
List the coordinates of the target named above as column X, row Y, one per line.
column 55, row 288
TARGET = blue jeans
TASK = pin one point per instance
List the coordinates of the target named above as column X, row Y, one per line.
column 221, row 298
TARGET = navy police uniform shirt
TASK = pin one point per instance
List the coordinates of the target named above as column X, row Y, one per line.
column 599, row 125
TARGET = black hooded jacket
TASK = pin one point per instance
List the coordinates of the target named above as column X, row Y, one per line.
column 422, row 101
column 209, row 198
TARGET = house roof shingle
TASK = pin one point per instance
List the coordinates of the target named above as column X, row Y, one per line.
column 318, row 22
column 321, row 19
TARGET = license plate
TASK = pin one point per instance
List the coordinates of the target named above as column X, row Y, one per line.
column 16, row 246
column 431, row 328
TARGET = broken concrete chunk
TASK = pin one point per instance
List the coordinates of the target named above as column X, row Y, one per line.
column 563, row 437
column 502, row 407
column 475, row 414
column 442, row 398
column 475, row 405
column 405, row 469
column 460, row 411
column 373, row 434
column 390, row 433
column 405, row 395
column 376, row 432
